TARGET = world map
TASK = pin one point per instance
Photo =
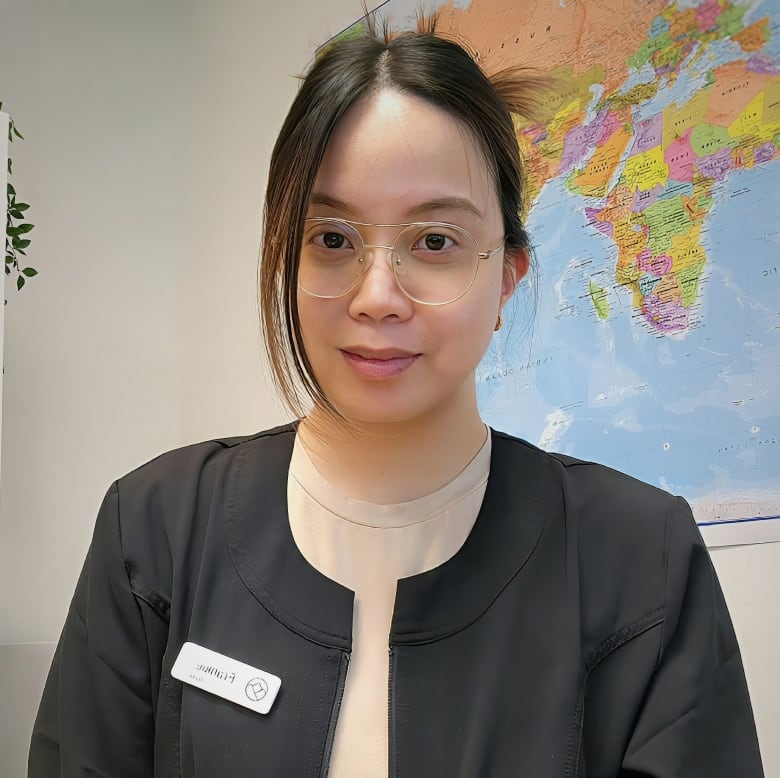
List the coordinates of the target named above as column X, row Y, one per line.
column 648, row 338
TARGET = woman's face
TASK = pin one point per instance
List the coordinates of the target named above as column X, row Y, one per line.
column 379, row 356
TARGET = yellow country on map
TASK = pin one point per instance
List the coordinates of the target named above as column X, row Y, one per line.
column 678, row 119
column 567, row 117
column 686, row 250
column 750, row 120
column 646, row 170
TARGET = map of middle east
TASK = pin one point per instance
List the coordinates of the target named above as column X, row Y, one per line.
column 649, row 338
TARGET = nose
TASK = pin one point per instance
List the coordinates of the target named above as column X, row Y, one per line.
column 378, row 295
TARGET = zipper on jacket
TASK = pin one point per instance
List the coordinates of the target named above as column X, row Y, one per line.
column 391, row 716
column 334, row 714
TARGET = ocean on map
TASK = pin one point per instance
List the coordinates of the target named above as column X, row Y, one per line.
column 696, row 412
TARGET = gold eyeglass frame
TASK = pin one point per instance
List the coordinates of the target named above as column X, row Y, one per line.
column 391, row 250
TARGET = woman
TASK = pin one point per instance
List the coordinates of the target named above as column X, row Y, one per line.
column 544, row 616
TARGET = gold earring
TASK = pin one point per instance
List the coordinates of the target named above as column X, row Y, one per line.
column 499, row 323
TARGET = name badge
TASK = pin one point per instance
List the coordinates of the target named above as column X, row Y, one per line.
column 227, row 678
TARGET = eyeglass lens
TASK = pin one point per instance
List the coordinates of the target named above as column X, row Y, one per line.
column 433, row 263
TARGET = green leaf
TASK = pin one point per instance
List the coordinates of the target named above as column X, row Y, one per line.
column 20, row 229
column 19, row 282
column 15, row 213
column 21, row 243
column 16, row 132
column 11, row 190
column 30, row 272
column 21, row 206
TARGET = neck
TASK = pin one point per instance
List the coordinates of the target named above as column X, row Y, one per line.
column 390, row 463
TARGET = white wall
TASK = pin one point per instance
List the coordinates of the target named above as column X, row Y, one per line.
column 92, row 365
column 149, row 127
column 92, row 369
column 750, row 577
column 248, row 53
column 4, row 125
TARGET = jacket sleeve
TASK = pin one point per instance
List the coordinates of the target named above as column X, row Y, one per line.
column 96, row 715
column 696, row 720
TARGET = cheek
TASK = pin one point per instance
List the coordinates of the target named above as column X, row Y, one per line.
column 314, row 313
column 315, row 323
column 467, row 329
column 479, row 320
column 487, row 300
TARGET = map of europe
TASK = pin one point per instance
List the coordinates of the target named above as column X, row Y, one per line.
column 648, row 338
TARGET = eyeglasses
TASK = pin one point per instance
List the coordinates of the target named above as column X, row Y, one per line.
column 434, row 263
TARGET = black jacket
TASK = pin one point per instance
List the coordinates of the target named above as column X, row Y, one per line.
column 580, row 631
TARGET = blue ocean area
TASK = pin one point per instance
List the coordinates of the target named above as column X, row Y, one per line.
column 696, row 412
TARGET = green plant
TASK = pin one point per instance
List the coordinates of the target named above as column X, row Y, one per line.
column 15, row 227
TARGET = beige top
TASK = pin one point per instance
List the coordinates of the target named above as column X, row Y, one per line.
column 367, row 547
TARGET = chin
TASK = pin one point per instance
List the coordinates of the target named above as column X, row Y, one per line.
column 400, row 406
column 380, row 414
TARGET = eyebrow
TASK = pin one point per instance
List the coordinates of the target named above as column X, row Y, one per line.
column 437, row 204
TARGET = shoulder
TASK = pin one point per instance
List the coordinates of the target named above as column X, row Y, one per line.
column 600, row 492
column 621, row 531
column 168, row 499
column 177, row 470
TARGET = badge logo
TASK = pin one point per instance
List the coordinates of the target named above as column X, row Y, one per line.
column 256, row 689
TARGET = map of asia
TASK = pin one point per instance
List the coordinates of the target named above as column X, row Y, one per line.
column 649, row 337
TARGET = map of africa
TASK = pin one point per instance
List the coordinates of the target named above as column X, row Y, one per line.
column 652, row 342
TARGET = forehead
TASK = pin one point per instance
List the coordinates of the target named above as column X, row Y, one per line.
column 392, row 152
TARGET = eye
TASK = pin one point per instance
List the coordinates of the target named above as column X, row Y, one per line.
column 333, row 240
column 331, row 237
column 433, row 241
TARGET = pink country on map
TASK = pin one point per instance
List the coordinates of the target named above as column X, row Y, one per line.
column 650, row 184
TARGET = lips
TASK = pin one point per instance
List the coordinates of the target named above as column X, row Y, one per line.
column 378, row 363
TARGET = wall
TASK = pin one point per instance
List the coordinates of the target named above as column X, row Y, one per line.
column 92, row 365
column 4, row 126
column 248, row 55
column 149, row 127
column 750, row 578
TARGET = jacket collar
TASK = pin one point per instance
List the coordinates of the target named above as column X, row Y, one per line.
column 521, row 493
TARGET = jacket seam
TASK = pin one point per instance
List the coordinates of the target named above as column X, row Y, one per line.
column 159, row 604
column 272, row 607
column 622, row 636
column 616, row 640
column 259, row 591
column 444, row 635
column 162, row 607
column 667, row 564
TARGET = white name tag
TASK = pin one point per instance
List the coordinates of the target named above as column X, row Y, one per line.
column 227, row 678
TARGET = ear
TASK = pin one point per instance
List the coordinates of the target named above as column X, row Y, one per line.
column 516, row 264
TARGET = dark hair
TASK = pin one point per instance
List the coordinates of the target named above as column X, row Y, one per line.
column 422, row 64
